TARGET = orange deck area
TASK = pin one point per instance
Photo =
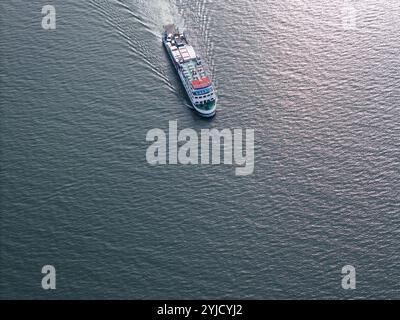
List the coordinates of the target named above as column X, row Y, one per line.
column 201, row 83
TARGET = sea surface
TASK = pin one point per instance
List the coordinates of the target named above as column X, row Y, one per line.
column 76, row 191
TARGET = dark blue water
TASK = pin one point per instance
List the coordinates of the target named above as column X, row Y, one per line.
column 76, row 191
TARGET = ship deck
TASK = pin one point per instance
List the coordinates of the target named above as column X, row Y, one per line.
column 192, row 71
column 185, row 55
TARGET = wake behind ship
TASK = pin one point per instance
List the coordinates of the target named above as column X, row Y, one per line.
column 192, row 72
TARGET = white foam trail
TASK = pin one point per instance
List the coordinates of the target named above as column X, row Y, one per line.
column 161, row 12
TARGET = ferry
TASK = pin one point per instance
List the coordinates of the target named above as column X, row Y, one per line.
column 192, row 71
